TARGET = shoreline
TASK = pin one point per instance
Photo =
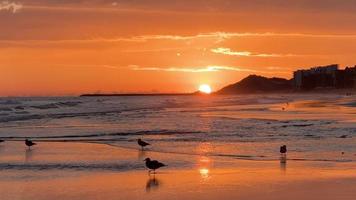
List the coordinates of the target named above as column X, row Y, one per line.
column 98, row 171
column 236, row 157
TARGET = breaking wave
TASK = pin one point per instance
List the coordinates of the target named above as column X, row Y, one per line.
column 71, row 166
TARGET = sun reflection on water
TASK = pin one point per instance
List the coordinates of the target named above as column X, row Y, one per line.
column 204, row 162
column 204, row 165
column 204, row 173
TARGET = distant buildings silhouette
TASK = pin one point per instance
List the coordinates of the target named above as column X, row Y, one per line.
column 325, row 77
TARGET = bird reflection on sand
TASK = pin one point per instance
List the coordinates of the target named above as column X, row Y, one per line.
column 28, row 155
column 283, row 163
column 152, row 183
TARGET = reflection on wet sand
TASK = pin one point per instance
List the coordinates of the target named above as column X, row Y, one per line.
column 283, row 163
column 227, row 178
column 204, row 164
column 204, row 173
column 28, row 155
column 152, row 183
column 141, row 155
column 1, row 148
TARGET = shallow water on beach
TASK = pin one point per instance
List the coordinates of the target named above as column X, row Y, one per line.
column 72, row 170
column 314, row 127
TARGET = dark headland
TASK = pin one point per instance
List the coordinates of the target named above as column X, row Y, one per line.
column 258, row 84
column 316, row 79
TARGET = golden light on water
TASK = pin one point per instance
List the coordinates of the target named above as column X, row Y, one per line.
column 204, row 88
column 204, row 172
column 204, row 164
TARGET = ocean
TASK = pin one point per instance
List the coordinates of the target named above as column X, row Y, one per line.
column 315, row 127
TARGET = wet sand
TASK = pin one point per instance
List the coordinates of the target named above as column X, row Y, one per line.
column 59, row 171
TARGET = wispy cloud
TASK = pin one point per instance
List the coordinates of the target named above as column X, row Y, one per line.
column 212, row 68
column 216, row 37
column 89, row 66
column 200, row 7
column 228, row 51
column 152, row 50
column 10, row 6
column 188, row 69
column 222, row 36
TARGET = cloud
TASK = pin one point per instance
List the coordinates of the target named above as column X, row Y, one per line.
column 211, row 68
column 187, row 69
column 152, row 50
column 89, row 66
column 10, row 6
column 216, row 37
column 199, row 6
column 228, row 51
column 219, row 36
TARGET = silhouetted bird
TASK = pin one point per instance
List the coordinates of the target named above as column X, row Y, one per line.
column 142, row 143
column 283, row 149
column 29, row 143
column 153, row 164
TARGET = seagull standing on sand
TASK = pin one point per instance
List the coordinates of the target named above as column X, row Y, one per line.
column 153, row 165
column 142, row 143
column 29, row 143
column 283, row 149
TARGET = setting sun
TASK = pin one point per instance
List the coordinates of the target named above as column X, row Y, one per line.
column 204, row 88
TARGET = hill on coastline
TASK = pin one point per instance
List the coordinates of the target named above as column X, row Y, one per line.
column 257, row 84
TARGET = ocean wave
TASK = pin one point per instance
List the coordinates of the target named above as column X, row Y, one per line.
column 349, row 104
column 57, row 105
column 72, row 166
column 297, row 125
column 98, row 135
column 250, row 157
column 25, row 116
column 9, row 102
column 56, row 116
column 270, row 158
column 5, row 109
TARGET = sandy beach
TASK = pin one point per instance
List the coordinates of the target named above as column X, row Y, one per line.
column 54, row 170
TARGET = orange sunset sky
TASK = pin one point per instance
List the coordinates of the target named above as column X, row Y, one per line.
column 69, row 47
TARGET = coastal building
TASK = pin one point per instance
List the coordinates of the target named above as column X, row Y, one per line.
column 346, row 78
column 316, row 77
column 329, row 76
